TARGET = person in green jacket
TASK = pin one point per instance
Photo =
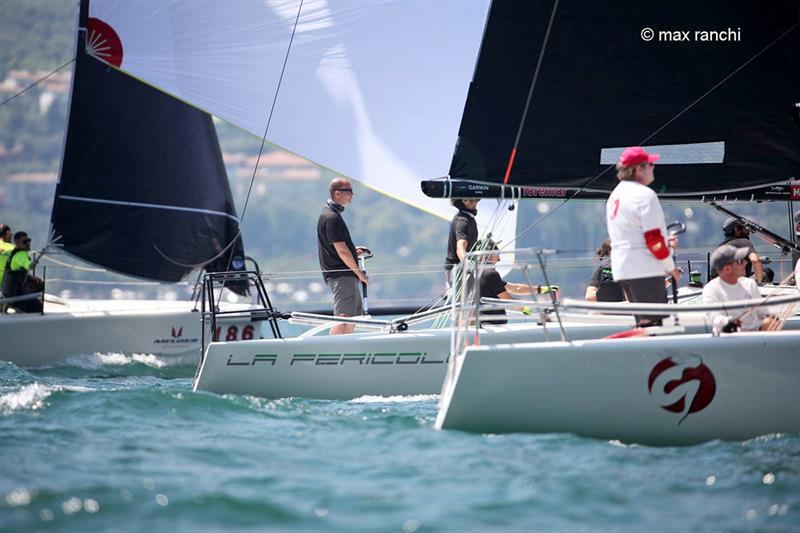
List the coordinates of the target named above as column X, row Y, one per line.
column 6, row 247
column 17, row 280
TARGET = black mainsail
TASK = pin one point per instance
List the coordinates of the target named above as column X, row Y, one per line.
column 143, row 190
column 717, row 106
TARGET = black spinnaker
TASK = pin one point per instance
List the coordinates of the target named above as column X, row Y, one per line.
column 143, row 190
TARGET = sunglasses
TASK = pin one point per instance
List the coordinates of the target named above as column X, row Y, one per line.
column 26, row 241
column 344, row 190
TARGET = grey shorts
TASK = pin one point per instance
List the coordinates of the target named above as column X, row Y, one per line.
column 346, row 296
column 646, row 290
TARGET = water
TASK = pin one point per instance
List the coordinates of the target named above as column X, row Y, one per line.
column 121, row 443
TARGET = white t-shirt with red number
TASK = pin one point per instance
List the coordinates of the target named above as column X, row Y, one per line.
column 632, row 210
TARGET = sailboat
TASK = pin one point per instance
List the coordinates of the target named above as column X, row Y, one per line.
column 559, row 91
column 392, row 361
column 142, row 191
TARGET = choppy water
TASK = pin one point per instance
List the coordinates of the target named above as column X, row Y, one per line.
column 121, row 443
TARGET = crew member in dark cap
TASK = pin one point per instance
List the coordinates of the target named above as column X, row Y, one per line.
column 463, row 233
column 730, row 285
column 736, row 234
column 17, row 277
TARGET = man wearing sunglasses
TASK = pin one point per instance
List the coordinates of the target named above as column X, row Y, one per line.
column 737, row 234
column 732, row 284
column 337, row 256
column 17, row 280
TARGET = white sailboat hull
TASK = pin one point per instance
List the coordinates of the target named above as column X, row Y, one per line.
column 733, row 387
column 351, row 366
column 85, row 327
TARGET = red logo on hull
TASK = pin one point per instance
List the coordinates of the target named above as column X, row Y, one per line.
column 103, row 42
column 706, row 384
column 177, row 333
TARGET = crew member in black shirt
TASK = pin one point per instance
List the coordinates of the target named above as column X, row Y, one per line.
column 736, row 234
column 492, row 285
column 463, row 233
column 337, row 256
column 602, row 287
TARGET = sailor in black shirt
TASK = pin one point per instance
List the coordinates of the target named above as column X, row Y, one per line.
column 737, row 235
column 337, row 256
column 463, row 233
column 602, row 287
column 492, row 285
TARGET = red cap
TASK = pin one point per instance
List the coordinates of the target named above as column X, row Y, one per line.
column 636, row 155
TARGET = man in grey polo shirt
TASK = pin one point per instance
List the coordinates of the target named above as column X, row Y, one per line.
column 337, row 256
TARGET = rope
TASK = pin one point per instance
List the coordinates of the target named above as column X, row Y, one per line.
column 530, row 93
column 37, row 82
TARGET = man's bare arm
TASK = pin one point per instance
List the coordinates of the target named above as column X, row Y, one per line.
column 461, row 249
column 348, row 259
column 758, row 268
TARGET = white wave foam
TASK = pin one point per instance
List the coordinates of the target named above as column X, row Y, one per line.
column 95, row 361
column 33, row 396
column 396, row 399
column 28, row 397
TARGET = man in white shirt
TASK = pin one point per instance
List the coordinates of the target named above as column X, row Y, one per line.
column 730, row 262
column 640, row 257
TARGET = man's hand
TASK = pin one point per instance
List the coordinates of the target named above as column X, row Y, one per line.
column 676, row 275
column 363, row 278
column 732, row 326
column 672, row 242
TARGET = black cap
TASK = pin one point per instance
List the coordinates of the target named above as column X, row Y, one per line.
column 730, row 225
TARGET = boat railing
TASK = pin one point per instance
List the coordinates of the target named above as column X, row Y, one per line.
column 466, row 312
column 366, row 322
column 214, row 283
column 626, row 308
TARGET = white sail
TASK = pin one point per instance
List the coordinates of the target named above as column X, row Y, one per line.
column 372, row 90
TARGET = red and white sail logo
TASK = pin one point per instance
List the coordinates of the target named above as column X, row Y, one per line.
column 684, row 381
column 103, row 42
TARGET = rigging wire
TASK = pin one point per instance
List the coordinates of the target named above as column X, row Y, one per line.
column 670, row 121
column 266, row 130
column 530, row 93
column 269, row 117
column 37, row 82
